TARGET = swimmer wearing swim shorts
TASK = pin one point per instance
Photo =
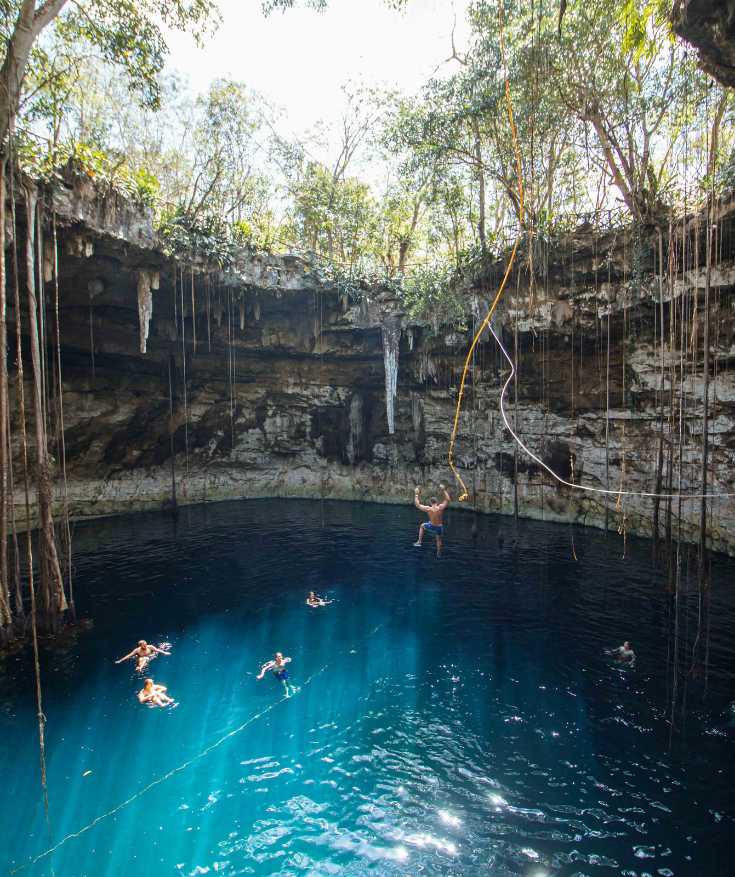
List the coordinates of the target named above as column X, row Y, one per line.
column 280, row 671
column 144, row 653
column 435, row 525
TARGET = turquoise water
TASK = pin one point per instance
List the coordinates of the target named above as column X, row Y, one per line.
column 455, row 716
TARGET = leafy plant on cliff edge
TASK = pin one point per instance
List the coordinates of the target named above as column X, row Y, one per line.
column 110, row 174
column 430, row 294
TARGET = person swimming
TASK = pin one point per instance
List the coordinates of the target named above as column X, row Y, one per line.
column 314, row 601
column 154, row 694
column 280, row 671
column 143, row 653
column 435, row 524
column 624, row 653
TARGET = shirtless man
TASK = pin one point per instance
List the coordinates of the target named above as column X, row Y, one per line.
column 435, row 511
column 314, row 601
column 143, row 653
column 154, row 694
column 624, row 653
column 280, row 671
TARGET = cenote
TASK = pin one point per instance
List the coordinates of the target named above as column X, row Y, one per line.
column 455, row 716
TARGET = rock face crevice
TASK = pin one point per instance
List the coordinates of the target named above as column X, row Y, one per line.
column 709, row 25
column 286, row 392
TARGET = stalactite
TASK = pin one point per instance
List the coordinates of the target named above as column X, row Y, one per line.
column 147, row 281
column 52, row 585
column 391, row 342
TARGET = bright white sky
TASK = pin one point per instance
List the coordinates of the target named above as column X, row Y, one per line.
column 299, row 59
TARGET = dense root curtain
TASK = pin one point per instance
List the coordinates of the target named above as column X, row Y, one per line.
column 53, row 598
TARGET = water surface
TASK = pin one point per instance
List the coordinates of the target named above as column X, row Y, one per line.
column 455, row 716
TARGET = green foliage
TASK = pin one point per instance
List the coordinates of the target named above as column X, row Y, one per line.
column 430, row 293
column 642, row 23
column 333, row 217
column 208, row 238
column 109, row 174
column 613, row 121
column 128, row 34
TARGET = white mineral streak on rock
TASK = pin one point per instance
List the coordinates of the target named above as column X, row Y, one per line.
column 427, row 367
column 417, row 414
column 145, row 306
column 391, row 343
column 49, row 260
column 95, row 287
column 356, row 428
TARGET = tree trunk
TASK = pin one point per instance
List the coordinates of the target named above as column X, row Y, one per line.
column 28, row 26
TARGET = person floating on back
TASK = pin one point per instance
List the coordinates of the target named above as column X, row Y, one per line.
column 154, row 694
column 624, row 653
column 143, row 653
column 435, row 511
column 314, row 601
column 280, row 671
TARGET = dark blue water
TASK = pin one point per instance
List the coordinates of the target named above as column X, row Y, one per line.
column 455, row 716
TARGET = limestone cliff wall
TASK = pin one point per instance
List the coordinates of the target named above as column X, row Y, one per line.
column 285, row 392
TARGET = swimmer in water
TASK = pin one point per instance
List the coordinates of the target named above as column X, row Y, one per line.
column 143, row 653
column 154, row 694
column 280, row 671
column 624, row 653
column 435, row 524
column 314, row 601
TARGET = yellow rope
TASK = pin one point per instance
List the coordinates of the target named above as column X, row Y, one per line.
column 464, row 495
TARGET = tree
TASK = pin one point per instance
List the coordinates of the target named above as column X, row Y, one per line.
column 125, row 32
column 334, row 218
column 226, row 148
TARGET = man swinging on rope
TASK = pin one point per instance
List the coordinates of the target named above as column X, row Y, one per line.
column 435, row 511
